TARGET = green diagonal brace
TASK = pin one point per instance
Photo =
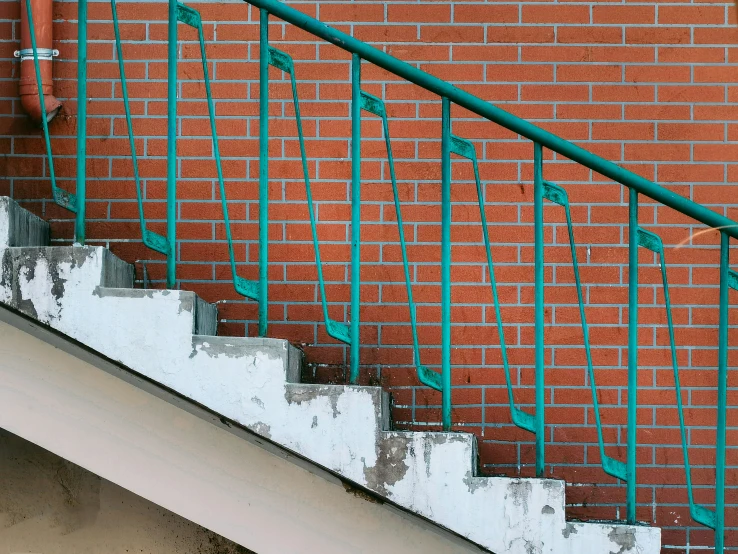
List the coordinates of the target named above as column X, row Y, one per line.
column 554, row 193
column 190, row 16
column 336, row 329
column 465, row 149
column 699, row 513
column 426, row 375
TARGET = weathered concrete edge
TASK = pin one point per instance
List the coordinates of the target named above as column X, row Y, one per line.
column 87, row 355
column 83, row 352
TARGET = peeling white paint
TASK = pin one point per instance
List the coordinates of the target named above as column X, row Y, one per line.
column 339, row 427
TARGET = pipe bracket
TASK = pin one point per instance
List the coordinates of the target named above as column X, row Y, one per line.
column 43, row 54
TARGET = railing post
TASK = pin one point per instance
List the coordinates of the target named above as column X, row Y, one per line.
column 722, row 396
column 79, row 222
column 539, row 310
column 263, row 170
column 630, row 469
column 355, row 214
column 172, row 147
column 446, row 263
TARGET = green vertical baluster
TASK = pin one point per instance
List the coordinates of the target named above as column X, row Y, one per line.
column 129, row 123
column 722, row 396
column 539, row 306
column 355, row 214
column 557, row 195
column 280, row 60
column 446, row 264
column 427, row 376
column 632, row 354
column 172, row 147
column 653, row 242
column 464, row 148
column 263, row 170
column 79, row 223
column 191, row 17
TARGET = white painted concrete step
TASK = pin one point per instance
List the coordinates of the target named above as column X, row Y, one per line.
column 254, row 382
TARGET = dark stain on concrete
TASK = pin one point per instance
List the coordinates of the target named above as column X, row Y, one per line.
column 308, row 393
column 390, row 467
column 519, row 491
column 623, row 537
column 359, row 493
column 569, row 530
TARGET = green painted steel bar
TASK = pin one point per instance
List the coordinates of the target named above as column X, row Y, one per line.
column 464, row 148
column 191, row 17
column 630, row 493
column 539, row 310
column 263, row 294
column 79, row 220
column 281, row 60
column 446, row 263
column 556, row 194
column 61, row 197
column 151, row 239
column 376, row 106
column 722, row 403
column 355, row 216
column 653, row 242
column 172, row 147
column 497, row 115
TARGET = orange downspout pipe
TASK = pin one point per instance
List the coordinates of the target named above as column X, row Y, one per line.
column 28, row 89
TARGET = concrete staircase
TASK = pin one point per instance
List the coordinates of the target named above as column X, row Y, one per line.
column 169, row 337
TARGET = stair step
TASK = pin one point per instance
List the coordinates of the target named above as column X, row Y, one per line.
column 243, row 347
column 42, row 281
column 19, row 227
column 332, row 395
column 205, row 315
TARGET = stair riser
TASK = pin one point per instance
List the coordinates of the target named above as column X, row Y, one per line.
column 40, row 282
column 19, row 227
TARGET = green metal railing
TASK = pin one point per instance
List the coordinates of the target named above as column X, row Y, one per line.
column 348, row 333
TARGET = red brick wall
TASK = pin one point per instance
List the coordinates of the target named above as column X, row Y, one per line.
column 649, row 85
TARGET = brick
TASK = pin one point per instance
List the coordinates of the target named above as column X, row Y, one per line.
column 417, row 13
column 520, row 34
column 685, row 54
column 589, row 35
column 657, row 35
column 713, row 74
column 555, row 13
column 589, row 73
column 476, row 13
column 691, row 93
column 658, row 74
column 623, row 131
column 691, row 131
column 692, row 15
